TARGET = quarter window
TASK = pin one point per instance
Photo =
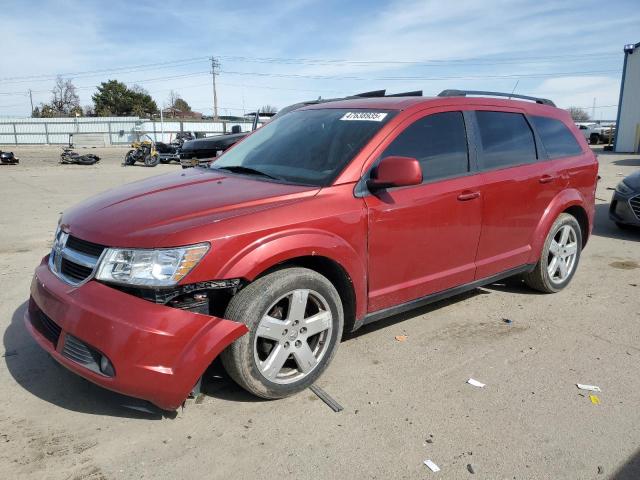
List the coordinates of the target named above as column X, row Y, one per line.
column 438, row 142
column 506, row 139
column 557, row 139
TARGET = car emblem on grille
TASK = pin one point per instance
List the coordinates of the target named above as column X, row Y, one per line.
column 58, row 246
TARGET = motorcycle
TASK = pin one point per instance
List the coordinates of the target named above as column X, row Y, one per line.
column 143, row 151
column 8, row 158
column 169, row 152
column 71, row 157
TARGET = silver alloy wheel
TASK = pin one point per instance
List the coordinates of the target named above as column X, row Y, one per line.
column 293, row 336
column 562, row 254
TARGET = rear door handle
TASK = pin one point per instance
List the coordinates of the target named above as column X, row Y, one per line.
column 547, row 178
column 467, row 195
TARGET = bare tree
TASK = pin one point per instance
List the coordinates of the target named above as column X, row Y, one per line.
column 64, row 97
column 268, row 109
column 578, row 114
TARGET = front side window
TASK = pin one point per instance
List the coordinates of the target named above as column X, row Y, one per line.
column 309, row 147
column 506, row 140
column 557, row 139
column 438, row 142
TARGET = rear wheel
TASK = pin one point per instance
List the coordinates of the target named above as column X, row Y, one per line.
column 560, row 256
column 295, row 322
column 129, row 158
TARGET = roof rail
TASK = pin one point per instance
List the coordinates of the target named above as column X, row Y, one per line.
column 464, row 93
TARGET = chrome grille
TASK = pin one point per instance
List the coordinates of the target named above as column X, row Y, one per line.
column 74, row 260
column 634, row 203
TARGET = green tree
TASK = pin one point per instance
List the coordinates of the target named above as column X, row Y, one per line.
column 115, row 98
column 181, row 105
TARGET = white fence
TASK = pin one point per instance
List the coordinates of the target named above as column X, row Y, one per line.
column 112, row 130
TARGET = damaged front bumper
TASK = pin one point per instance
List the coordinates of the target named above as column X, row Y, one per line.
column 124, row 343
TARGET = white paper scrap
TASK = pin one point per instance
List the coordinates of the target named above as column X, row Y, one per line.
column 591, row 388
column 432, row 466
column 475, row 383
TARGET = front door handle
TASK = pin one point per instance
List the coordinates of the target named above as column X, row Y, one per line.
column 547, row 178
column 467, row 195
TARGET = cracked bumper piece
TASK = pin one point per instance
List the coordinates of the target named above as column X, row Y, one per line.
column 152, row 352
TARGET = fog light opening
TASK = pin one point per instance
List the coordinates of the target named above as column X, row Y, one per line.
column 105, row 367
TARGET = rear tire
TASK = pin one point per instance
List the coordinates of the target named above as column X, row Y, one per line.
column 129, row 158
column 560, row 256
column 295, row 321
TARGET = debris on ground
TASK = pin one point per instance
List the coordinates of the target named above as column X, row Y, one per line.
column 508, row 321
column 470, row 468
column 594, row 399
column 600, row 469
column 326, row 398
column 401, row 338
column 432, row 466
column 475, row 383
column 591, row 388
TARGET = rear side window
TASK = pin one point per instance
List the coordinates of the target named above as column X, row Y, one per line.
column 438, row 141
column 557, row 139
column 506, row 139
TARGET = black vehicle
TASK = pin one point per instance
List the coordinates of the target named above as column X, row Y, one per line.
column 71, row 157
column 168, row 152
column 8, row 158
column 204, row 150
column 625, row 204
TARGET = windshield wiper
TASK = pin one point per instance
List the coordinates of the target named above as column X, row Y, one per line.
column 247, row 170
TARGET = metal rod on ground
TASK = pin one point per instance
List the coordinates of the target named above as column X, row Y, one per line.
column 324, row 396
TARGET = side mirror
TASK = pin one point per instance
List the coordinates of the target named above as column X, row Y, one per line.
column 395, row 172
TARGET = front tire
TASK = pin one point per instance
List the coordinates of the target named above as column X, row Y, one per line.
column 560, row 256
column 295, row 321
column 151, row 160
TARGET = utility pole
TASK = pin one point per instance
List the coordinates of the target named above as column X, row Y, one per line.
column 31, row 98
column 593, row 110
column 214, row 65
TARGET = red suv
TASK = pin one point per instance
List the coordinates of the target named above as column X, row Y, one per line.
column 330, row 217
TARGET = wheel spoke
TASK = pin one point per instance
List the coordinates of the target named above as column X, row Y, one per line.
column 553, row 266
column 271, row 328
column 554, row 248
column 304, row 357
column 564, row 235
column 562, row 264
column 572, row 248
column 317, row 323
column 297, row 304
column 274, row 362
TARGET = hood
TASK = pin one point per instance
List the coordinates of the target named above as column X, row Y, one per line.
column 211, row 142
column 633, row 181
column 168, row 209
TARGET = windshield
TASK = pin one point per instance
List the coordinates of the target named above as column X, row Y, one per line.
column 308, row 147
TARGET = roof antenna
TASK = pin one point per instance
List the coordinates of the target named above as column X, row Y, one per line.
column 514, row 87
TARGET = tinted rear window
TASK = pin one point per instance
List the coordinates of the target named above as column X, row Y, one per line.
column 506, row 139
column 557, row 139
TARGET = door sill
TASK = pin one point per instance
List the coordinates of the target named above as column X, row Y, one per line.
column 434, row 297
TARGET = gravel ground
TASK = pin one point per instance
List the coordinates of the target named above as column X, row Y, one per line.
column 404, row 401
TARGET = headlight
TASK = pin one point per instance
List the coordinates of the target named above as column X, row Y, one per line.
column 624, row 189
column 152, row 268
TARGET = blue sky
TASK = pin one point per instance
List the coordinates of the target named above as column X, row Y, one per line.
column 281, row 52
